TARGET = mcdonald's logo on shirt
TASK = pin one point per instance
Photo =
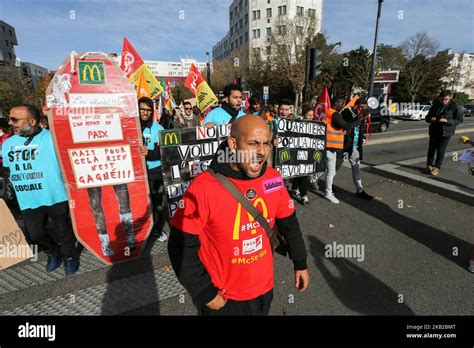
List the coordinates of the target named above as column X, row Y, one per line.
column 91, row 73
column 170, row 138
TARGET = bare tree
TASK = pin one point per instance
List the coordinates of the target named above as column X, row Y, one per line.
column 418, row 49
column 453, row 73
column 288, row 49
column 420, row 44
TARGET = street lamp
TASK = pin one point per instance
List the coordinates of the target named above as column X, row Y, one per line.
column 374, row 53
column 208, row 69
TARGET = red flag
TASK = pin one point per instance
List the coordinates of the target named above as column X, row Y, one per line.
column 322, row 106
column 193, row 80
column 131, row 61
column 205, row 97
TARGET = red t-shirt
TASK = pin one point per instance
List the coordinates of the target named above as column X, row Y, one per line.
column 234, row 248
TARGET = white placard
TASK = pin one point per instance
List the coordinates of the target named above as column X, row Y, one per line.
column 102, row 166
column 98, row 100
column 95, row 127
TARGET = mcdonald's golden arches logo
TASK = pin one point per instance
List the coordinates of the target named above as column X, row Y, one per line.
column 170, row 138
column 91, row 73
column 284, row 155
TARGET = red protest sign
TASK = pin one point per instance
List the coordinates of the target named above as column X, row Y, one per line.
column 96, row 130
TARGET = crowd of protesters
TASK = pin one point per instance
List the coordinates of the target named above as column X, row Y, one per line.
column 27, row 127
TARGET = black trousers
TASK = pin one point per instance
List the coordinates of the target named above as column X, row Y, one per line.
column 302, row 183
column 155, row 182
column 257, row 306
column 59, row 240
column 437, row 146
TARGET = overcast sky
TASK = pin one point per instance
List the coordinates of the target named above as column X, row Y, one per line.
column 47, row 30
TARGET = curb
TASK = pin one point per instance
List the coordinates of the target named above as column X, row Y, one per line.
column 390, row 170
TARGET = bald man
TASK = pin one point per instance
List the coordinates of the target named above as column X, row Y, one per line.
column 219, row 253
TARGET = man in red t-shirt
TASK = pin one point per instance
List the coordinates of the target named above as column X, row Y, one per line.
column 219, row 253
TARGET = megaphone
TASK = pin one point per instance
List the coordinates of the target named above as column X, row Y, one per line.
column 373, row 103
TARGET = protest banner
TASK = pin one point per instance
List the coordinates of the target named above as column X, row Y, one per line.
column 13, row 246
column 95, row 126
column 301, row 150
column 184, row 154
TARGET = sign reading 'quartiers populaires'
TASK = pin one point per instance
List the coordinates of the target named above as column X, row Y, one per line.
column 301, row 148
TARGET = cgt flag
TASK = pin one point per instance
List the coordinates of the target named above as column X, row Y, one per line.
column 133, row 65
column 322, row 106
column 199, row 87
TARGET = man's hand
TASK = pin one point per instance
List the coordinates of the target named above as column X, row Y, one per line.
column 181, row 120
column 276, row 141
column 144, row 150
column 210, row 124
column 433, row 119
column 443, row 120
column 218, row 302
column 301, row 280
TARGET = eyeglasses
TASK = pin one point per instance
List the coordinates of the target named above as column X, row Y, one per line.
column 146, row 110
column 188, row 108
column 16, row 119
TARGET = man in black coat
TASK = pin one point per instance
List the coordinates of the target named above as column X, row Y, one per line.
column 443, row 118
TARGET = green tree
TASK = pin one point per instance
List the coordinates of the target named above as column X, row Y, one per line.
column 390, row 58
column 14, row 88
column 461, row 98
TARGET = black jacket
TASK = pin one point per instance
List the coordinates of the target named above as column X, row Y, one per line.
column 354, row 124
column 347, row 123
column 452, row 112
column 183, row 247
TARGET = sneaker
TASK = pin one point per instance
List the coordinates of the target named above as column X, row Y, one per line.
column 435, row 171
column 305, row 200
column 471, row 266
column 106, row 251
column 364, row 195
column 162, row 237
column 331, row 198
column 296, row 193
column 70, row 266
column 428, row 169
column 132, row 244
column 105, row 245
column 53, row 263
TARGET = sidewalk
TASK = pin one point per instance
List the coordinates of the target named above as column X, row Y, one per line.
column 454, row 180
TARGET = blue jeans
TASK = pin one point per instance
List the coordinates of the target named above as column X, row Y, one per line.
column 332, row 165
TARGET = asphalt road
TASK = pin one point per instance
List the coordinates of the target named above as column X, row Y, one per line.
column 375, row 154
column 416, row 246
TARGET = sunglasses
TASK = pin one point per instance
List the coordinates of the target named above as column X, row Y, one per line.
column 188, row 108
column 16, row 119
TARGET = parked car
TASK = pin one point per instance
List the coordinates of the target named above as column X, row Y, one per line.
column 468, row 110
column 379, row 121
column 415, row 112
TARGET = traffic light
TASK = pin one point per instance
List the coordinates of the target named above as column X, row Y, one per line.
column 314, row 63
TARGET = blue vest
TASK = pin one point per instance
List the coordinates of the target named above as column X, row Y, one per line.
column 34, row 170
column 219, row 116
column 150, row 138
